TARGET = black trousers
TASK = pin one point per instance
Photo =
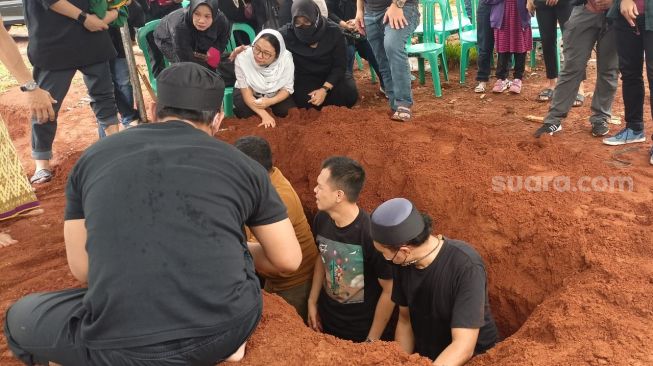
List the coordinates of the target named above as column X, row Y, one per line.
column 242, row 110
column 46, row 327
column 485, row 38
column 548, row 18
column 97, row 78
column 343, row 94
column 503, row 65
column 634, row 44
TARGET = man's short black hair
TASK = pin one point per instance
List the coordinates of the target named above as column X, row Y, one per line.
column 203, row 117
column 347, row 175
column 256, row 148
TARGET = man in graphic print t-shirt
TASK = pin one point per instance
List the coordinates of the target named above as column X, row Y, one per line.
column 352, row 283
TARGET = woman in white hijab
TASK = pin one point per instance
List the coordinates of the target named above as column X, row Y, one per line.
column 265, row 76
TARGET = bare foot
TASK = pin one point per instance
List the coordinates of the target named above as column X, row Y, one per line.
column 6, row 240
column 238, row 355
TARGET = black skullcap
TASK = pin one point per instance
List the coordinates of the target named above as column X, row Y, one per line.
column 396, row 221
column 187, row 85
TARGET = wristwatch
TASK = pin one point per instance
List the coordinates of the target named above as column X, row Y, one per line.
column 400, row 3
column 29, row 86
column 81, row 18
column 326, row 88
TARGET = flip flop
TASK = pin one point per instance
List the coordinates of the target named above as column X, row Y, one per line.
column 402, row 114
column 545, row 95
column 41, row 176
column 579, row 101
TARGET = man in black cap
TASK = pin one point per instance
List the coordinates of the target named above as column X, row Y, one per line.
column 440, row 286
column 154, row 226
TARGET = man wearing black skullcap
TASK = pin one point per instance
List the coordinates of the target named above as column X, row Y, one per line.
column 440, row 286
column 154, row 226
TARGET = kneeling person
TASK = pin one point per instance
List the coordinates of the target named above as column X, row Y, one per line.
column 440, row 286
column 153, row 225
column 293, row 287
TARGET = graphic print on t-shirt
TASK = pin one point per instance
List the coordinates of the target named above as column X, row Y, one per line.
column 344, row 269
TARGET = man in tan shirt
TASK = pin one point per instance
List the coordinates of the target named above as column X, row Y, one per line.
column 295, row 287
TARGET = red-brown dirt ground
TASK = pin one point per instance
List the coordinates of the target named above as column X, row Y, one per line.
column 570, row 273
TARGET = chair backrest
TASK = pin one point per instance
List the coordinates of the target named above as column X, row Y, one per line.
column 428, row 19
column 462, row 12
column 242, row 27
column 141, row 38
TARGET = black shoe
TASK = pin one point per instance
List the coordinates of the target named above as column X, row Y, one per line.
column 600, row 129
column 549, row 128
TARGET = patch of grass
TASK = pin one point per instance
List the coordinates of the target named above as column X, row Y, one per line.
column 452, row 51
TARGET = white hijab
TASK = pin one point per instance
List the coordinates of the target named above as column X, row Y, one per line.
column 267, row 80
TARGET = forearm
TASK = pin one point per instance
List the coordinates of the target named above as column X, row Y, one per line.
column 454, row 355
column 10, row 57
column 261, row 261
column 67, row 9
column 318, row 280
column 404, row 336
column 280, row 97
column 382, row 314
column 360, row 6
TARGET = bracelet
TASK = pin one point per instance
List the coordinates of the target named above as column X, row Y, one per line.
column 326, row 88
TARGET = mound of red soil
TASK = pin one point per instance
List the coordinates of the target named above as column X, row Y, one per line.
column 570, row 272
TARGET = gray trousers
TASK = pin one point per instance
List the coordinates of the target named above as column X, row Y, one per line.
column 46, row 327
column 97, row 78
column 583, row 31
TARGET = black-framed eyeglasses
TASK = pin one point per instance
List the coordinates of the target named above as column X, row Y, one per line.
column 258, row 51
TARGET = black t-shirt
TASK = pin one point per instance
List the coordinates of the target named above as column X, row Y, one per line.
column 450, row 293
column 57, row 42
column 352, row 268
column 165, row 206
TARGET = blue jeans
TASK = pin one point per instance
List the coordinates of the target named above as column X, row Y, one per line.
column 389, row 46
column 485, row 38
column 122, row 89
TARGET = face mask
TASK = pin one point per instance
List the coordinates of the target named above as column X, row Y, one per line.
column 305, row 34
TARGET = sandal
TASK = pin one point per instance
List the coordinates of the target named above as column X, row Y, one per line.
column 579, row 101
column 480, row 88
column 41, row 176
column 545, row 95
column 402, row 114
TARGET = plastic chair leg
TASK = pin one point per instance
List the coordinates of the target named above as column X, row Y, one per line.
column 372, row 76
column 445, row 67
column 558, row 53
column 420, row 68
column 464, row 59
column 359, row 62
column 533, row 54
column 435, row 74
column 228, row 102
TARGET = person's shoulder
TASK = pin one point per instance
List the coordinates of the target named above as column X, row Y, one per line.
column 464, row 252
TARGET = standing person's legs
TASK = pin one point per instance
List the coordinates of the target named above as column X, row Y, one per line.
column 485, row 38
column 375, row 30
column 630, row 49
column 581, row 33
column 394, row 44
column 57, row 84
column 520, row 65
column 548, row 24
column 45, row 327
column 123, row 91
column 503, row 63
column 365, row 51
column 607, row 76
column 97, row 78
column 648, row 52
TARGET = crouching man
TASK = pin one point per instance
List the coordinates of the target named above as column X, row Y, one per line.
column 440, row 286
column 154, row 226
